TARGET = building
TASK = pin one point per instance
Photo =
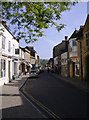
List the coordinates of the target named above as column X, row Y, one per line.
column 37, row 60
column 9, row 56
column 57, row 51
column 27, row 59
column 85, row 49
column 64, row 64
column 73, row 55
column 50, row 64
column 22, row 61
column 83, row 40
column 32, row 57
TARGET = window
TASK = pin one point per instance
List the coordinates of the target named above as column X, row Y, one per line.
column 2, row 68
column 3, row 42
column 16, row 51
column 74, row 43
column 9, row 46
column 87, row 39
column 13, row 49
column 70, row 49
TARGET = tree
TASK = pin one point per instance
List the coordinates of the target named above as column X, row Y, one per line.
column 29, row 19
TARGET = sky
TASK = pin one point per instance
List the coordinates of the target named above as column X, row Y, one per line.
column 73, row 19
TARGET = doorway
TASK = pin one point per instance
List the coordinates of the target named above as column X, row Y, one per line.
column 87, row 68
column 9, row 70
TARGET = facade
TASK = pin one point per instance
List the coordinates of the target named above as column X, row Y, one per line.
column 15, row 58
column 27, row 58
column 57, row 51
column 22, row 61
column 8, row 55
column 85, row 50
column 50, row 62
column 37, row 60
column 64, row 64
column 83, row 41
column 73, row 55
column 32, row 57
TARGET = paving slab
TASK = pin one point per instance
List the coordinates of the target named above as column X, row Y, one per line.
column 13, row 104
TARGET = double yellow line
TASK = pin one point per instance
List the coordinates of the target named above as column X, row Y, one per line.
column 53, row 115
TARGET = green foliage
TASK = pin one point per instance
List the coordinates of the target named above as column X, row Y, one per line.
column 29, row 19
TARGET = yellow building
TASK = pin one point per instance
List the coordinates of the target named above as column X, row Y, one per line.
column 85, row 50
column 83, row 40
column 27, row 58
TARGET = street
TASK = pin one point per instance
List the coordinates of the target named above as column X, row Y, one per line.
column 63, row 99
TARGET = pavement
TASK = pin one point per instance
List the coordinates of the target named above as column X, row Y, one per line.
column 13, row 102
column 83, row 85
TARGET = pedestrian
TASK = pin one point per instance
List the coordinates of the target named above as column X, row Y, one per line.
column 25, row 71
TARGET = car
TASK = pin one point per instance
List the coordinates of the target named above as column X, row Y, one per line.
column 33, row 74
column 38, row 71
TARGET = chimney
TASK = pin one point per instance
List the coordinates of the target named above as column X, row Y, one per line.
column 66, row 38
column 81, row 27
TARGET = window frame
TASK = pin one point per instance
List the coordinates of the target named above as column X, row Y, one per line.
column 9, row 46
column 2, row 68
column 3, row 41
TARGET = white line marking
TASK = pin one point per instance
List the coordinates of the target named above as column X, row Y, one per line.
column 33, row 105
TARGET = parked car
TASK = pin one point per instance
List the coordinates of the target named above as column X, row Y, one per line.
column 38, row 71
column 33, row 74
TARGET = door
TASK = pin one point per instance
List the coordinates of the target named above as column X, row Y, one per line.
column 73, row 69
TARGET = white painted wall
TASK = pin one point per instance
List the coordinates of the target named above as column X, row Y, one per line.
column 23, row 54
column 14, row 42
column 64, row 57
column 55, row 60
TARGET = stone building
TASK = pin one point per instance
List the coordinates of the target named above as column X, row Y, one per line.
column 83, row 40
column 85, row 49
column 57, row 51
column 74, row 58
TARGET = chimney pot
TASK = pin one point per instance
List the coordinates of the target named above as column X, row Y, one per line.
column 66, row 38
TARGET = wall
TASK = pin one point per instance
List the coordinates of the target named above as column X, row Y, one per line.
column 64, row 64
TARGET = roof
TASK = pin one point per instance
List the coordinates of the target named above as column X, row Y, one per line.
column 86, row 25
column 74, row 34
column 30, row 49
column 60, row 48
column 22, row 48
column 4, row 24
column 87, row 19
column 80, row 32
